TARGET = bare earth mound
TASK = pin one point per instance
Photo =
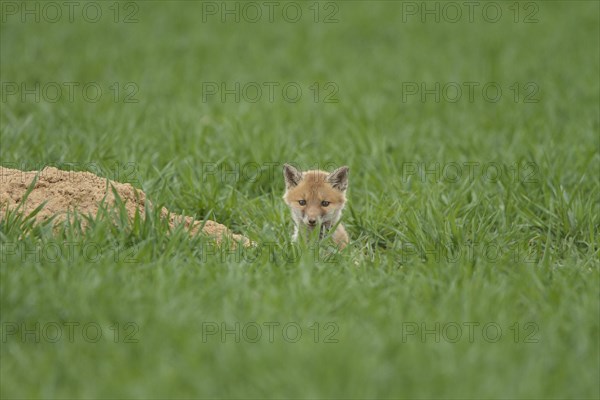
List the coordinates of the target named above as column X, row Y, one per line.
column 68, row 191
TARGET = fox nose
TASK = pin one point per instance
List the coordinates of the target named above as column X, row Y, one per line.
column 312, row 222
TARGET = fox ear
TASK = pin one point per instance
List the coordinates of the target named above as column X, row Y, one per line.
column 339, row 178
column 292, row 176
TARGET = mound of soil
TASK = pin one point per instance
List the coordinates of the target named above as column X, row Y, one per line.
column 68, row 191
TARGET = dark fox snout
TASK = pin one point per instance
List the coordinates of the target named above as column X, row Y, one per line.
column 312, row 222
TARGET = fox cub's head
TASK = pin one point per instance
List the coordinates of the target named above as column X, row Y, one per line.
column 315, row 197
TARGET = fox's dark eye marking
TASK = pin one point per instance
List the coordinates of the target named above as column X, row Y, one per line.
column 324, row 203
column 302, row 202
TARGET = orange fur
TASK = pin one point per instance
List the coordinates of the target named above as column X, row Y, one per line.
column 305, row 195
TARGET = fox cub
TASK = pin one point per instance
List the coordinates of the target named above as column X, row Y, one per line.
column 316, row 199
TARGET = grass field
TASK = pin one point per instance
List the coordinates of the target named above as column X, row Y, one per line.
column 472, row 138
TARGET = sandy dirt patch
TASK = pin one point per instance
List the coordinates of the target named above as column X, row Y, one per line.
column 68, row 191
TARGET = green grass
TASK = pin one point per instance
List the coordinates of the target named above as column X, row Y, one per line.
column 429, row 252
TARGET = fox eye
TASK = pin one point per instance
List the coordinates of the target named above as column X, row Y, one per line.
column 302, row 202
column 324, row 203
